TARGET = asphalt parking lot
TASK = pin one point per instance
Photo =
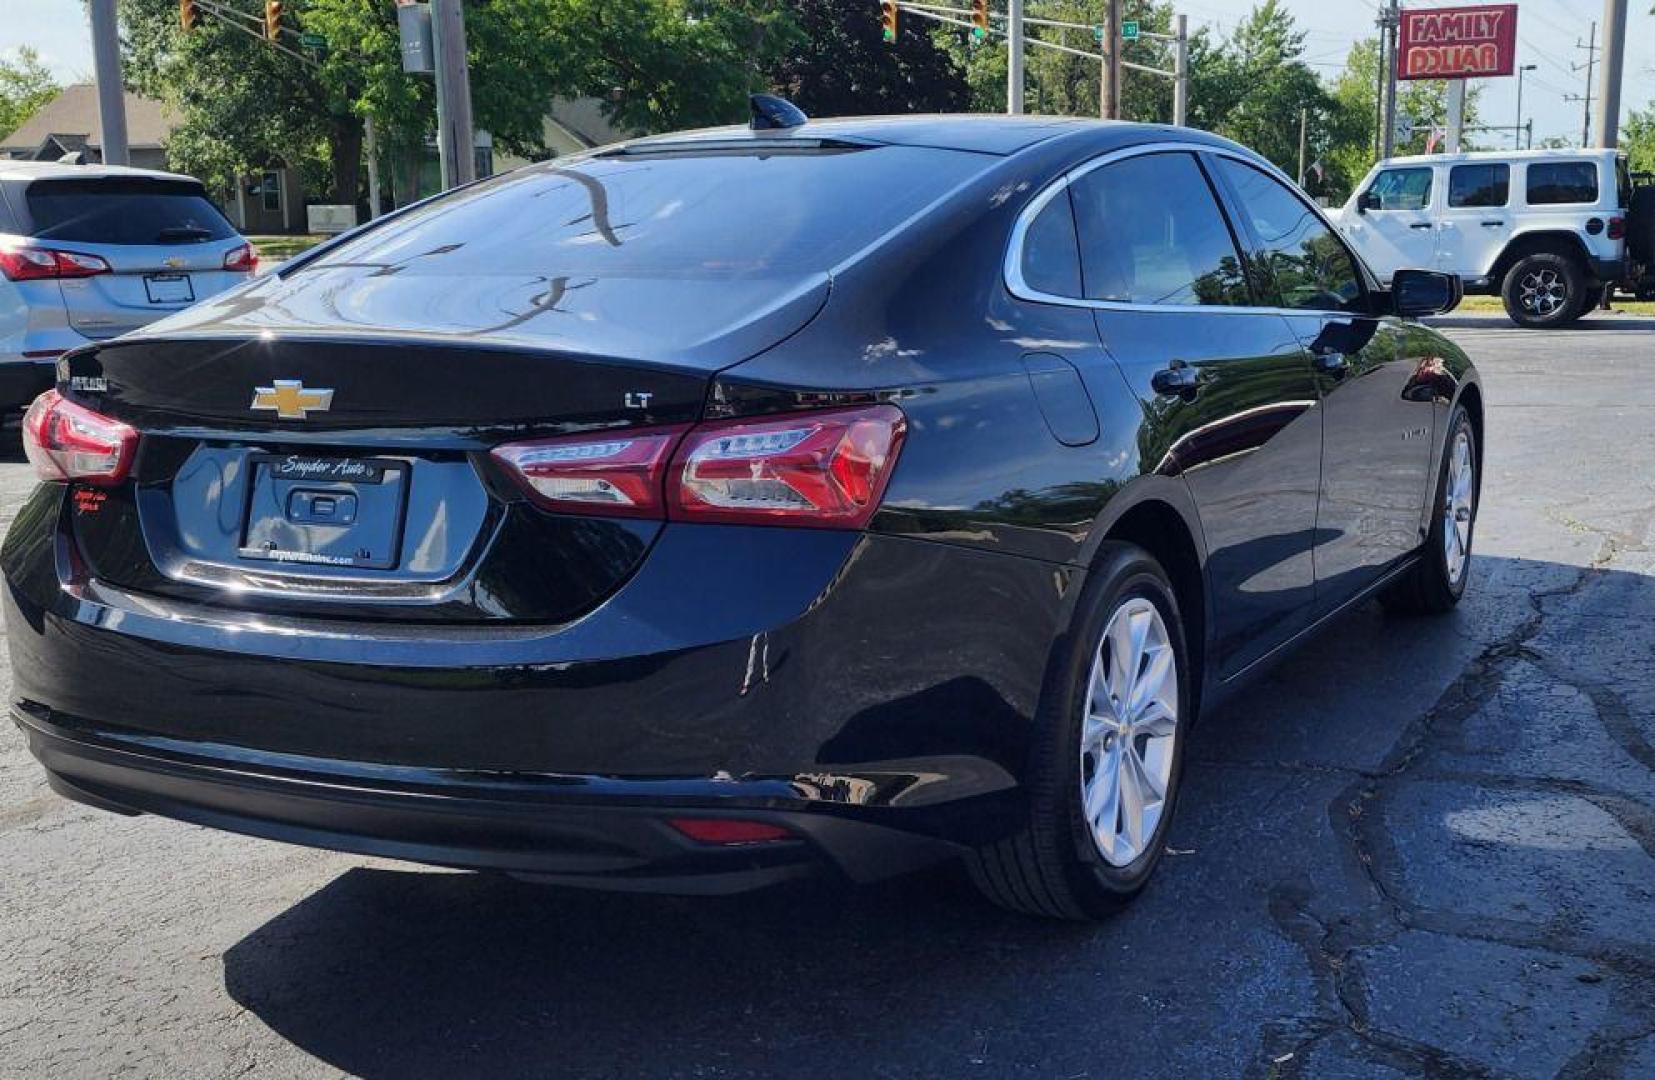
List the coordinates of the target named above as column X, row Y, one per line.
column 1420, row 848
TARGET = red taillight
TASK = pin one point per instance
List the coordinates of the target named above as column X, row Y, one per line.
column 65, row 441
column 243, row 259
column 729, row 831
column 24, row 262
column 816, row 469
column 1617, row 228
column 620, row 474
column 823, row 470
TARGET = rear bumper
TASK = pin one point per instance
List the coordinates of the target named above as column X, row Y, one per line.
column 549, row 829
column 1608, row 271
column 871, row 694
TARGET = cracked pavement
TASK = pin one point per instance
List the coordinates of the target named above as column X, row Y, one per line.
column 1420, row 847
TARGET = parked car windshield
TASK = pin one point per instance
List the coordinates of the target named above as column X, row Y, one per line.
column 124, row 210
column 702, row 214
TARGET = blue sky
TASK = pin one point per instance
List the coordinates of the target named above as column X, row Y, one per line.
column 1547, row 31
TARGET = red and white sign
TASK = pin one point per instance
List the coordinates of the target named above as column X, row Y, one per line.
column 1457, row 43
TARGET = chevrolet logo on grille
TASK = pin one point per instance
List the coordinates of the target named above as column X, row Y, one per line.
column 289, row 399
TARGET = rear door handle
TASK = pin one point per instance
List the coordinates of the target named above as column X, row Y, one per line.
column 1177, row 378
column 1492, row 224
column 1420, row 225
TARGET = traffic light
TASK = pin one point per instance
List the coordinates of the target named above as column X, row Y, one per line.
column 979, row 19
column 272, row 20
column 887, row 19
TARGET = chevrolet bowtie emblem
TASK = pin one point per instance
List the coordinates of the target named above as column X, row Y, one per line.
column 172, row 262
column 289, row 399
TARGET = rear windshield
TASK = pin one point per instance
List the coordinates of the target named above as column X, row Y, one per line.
column 124, row 210
column 700, row 215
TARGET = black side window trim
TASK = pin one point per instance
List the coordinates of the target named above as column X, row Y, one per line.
column 1231, row 205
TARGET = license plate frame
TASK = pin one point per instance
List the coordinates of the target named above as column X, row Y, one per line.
column 175, row 288
column 280, row 522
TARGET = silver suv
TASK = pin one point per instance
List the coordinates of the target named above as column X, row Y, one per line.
column 89, row 251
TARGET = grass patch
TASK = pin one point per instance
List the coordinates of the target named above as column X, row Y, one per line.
column 1491, row 305
column 279, row 248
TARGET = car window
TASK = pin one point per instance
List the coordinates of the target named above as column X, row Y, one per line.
column 711, row 215
column 1051, row 255
column 124, row 210
column 1402, row 189
column 1486, row 184
column 1311, row 268
column 1552, row 182
column 1623, row 184
column 1151, row 233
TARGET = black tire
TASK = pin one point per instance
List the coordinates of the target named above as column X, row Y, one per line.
column 1051, row 867
column 1430, row 587
column 1543, row 275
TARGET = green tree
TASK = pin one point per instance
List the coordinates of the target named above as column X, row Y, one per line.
column 1638, row 138
column 1349, row 151
column 25, row 85
column 839, row 66
column 656, row 64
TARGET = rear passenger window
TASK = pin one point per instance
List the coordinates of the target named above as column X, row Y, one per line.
column 1151, row 233
column 1402, row 189
column 1310, row 267
column 1051, row 258
column 1562, row 182
column 1479, row 185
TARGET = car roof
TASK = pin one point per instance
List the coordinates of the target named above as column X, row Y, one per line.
column 982, row 133
column 1501, row 155
column 28, row 171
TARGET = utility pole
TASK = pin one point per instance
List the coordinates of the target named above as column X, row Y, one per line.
column 1387, row 74
column 1014, row 57
column 1614, row 59
column 106, row 64
column 370, row 140
column 1517, row 132
column 1181, row 74
column 1591, row 47
column 1109, row 83
column 1304, row 124
column 1456, row 115
column 456, row 144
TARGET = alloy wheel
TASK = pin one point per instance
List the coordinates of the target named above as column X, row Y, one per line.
column 1457, row 506
column 1543, row 291
column 1129, row 731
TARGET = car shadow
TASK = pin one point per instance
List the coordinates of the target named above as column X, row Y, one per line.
column 406, row 973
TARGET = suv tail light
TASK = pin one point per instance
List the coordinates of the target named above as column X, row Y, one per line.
column 1617, row 228
column 814, row 469
column 25, row 262
column 823, row 470
column 66, row 441
column 243, row 259
column 619, row 475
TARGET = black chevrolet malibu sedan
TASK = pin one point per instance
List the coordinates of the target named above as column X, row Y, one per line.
column 726, row 506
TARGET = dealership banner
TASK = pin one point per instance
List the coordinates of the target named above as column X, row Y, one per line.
column 1457, row 43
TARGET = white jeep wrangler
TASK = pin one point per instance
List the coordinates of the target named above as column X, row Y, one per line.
column 1545, row 229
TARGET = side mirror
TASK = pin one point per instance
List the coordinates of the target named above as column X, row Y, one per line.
column 1366, row 201
column 1417, row 293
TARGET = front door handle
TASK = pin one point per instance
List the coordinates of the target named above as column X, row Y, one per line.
column 1177, row 378
column 1420, row 225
